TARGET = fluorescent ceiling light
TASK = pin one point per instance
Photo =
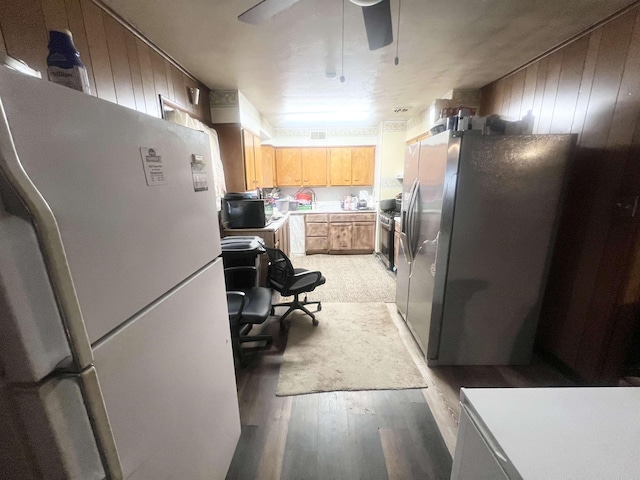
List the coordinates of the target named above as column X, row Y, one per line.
column 327, row 116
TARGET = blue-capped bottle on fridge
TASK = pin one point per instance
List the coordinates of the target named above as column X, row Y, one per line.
column 63, row 63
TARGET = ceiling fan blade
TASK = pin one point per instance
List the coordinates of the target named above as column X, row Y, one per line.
column 263, row 11
column 377, row 23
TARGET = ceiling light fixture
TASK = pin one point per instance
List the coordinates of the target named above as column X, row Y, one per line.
column 328, row 117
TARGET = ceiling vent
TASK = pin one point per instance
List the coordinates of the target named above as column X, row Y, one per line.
column 318, row 135
column 401, row 109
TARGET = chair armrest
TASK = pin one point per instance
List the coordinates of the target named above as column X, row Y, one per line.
column 235, row 304
column 301, row 275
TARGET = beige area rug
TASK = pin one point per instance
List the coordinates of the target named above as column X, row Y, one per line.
column 356, row 346
column 350, row 278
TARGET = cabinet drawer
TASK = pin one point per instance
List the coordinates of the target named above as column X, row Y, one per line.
column 366, row 217
column 316, row 218
column 343, row 217
column 317, row 229
column 352, row 217
column 317, row 244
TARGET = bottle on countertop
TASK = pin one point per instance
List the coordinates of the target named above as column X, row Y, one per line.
column 63, row 63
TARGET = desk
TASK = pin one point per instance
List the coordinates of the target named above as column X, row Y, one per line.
column 548, row 433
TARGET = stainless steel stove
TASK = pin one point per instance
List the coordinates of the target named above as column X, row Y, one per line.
column 386, row 222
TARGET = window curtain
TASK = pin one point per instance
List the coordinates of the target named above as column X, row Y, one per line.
column 184, row 119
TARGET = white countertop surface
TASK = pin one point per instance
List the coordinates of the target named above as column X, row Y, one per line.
column 562, row 433
column 330, row 207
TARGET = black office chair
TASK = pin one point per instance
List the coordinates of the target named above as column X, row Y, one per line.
column 287, row 280
column 247, row 306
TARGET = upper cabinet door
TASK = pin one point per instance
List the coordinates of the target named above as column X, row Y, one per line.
column 257, row 165
column 362, row 161
column 288, row 167
column 314, row 167
column 340, row 166
column 268, row 159
column 249, row 160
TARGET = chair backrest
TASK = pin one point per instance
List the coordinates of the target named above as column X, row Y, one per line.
column 240, row 278
column 281, row 271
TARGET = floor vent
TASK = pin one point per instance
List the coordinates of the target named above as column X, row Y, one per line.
column 318, row 134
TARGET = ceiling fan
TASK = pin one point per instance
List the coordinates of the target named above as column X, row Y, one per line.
column 376, row 13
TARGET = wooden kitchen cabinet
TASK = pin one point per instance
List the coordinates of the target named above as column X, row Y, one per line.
column 289, row 167
column 250, row 174
column 258, row 171
column 351, row 166
column 363, row 236
column 340, row 166
column 268, row 165
column 319, row 166
column 242, row 160
column 316, row 233
column 352, row 232
column 340, row 236
column 314, row 167
column 281, row 238
column 362, row 165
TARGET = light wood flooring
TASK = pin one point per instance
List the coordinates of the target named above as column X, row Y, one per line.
column 360, row 435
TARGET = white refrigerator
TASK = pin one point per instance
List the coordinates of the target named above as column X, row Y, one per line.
column 115, row 356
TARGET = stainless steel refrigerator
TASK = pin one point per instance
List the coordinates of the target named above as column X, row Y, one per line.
column 479, row 218
column 115, row 355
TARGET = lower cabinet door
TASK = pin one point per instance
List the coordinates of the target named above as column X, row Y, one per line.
column 363, row 236
column 340, row 235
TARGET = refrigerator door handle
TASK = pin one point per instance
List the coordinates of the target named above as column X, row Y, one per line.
column 410, row 220
column 415, row 219
column 100, row 423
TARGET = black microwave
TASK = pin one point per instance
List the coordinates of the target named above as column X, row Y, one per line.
column 246, row 213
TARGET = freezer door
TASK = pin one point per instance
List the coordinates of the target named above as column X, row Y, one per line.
column 134, row 222
column 168, row 383
column 46, row 432
column 426, row 232
column 33, row 341
column 506, row 213
column 411, row 159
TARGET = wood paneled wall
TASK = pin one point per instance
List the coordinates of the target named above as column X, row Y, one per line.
column 590, row 87
column 122, row 67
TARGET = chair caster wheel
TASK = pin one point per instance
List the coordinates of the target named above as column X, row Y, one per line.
column 315, row 322
column 319, row 307
column 273, row 311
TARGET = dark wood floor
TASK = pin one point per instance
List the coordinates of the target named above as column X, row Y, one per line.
column 360, row 435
